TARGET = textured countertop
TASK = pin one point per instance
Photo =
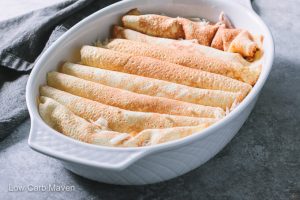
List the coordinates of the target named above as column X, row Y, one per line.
column 261, row 162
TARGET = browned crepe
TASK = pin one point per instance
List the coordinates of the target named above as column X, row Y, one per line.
column 129, row 100
column 249, row 71
column 204, row 33
column 116, row 119
column 191, row 46
column 167, row 27
column 158, row 136
column 66, row 122
column 155, row 25
column 236, row 41
column 224, row 37
column 201, row 31
column 205, row 63
column 152, row 87
column 153, row 68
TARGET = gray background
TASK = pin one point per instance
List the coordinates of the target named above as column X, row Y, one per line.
column 261, row 162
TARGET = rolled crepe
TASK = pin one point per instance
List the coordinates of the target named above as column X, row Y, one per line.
column 247, row 45
column 158, row 136
column 129, row 100
column 116, row 119
column 237, row 41
column 224, row 37
column 153, row 87
column 203, row 32
column 168, row 27
column 66, row 122
column 205, row 63
column 153, row 68
column 251, row 70
column 155, row 25
column 191, row 46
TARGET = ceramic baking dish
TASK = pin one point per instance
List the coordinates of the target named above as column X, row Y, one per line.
column 144, row 165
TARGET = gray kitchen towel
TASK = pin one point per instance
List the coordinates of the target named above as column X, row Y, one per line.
column 22, row 40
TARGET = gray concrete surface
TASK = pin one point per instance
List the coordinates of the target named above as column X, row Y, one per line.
column 261, row 162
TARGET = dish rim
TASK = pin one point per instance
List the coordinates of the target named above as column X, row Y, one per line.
column 36, row 120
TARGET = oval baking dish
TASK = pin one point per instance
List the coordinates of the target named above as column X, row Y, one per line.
column 143, row 165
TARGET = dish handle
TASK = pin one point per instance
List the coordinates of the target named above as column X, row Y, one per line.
column 49, row 142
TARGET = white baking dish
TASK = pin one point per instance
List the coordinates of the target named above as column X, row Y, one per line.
column 135, row 166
